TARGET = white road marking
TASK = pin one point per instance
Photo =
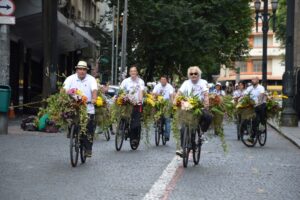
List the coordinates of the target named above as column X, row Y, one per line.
column 159, row 187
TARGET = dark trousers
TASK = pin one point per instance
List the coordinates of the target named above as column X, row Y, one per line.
column 135, row 123
column 88, row 138
column 260, row 117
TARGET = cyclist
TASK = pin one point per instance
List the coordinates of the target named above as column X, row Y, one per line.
column 257, row 93
column 198, row 87
column 240, row 91
column 218, row 89
column 88, row 85
column 135, row 87
column 167, row 91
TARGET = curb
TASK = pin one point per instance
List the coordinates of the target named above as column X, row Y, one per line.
column 291, row 139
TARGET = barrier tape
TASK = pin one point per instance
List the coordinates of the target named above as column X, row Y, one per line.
column 28, row 104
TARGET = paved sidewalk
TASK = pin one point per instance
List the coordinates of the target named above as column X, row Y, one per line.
column 290, row 133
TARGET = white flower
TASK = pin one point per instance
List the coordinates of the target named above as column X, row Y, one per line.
column 185, row 105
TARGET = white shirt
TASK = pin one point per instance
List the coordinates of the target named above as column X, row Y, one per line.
column 255, row 93
column 238, row 93
column 87, row 85
column 198, row 89
column 133, row 87
column 165, row 91
column 219, row 92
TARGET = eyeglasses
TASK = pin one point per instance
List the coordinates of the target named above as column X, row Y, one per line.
column 194, row 74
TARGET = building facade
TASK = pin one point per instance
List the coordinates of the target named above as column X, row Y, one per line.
column 251, row 66
column 79, row 34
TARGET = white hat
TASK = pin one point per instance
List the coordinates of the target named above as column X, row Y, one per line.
column 82, row 65
column 218, row 83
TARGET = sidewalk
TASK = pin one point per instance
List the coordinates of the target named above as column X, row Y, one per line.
column 290, row 133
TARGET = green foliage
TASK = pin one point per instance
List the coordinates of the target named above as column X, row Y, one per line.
column 167, row 36
column 281, row 16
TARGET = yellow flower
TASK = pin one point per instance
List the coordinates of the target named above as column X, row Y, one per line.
column 160, row 98
column 150, row 102
column 99, row 101
column 78, row 92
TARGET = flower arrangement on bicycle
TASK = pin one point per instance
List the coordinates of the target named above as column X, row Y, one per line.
column 103, row 116
column 63, row 107
column 245, row 107
column 273, row 107
column 122, row 106
column 219, row 106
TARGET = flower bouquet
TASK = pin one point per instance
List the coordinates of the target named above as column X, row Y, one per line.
column 122, row 107
column 188, row 110
column 103, row 116
column 219, row 106
column 245, row 107
column 64, row 108
column 273, row 108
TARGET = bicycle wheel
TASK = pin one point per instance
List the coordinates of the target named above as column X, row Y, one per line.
column 197, row 144
column 136, row 145
column 262, row 136
column 186, row 148
column 238, row 123
column 74, row 146
column 157, row 133
column 82, row 152
column 246, row 131
column 163, row 138
column 120, row 135
column 107, row 134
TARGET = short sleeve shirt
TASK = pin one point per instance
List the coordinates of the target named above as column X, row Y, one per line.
column 133, row 87
column 197, row 89
column 219, row 92
column 255, row 92
column 165, row 91
column 238, row 93
column 87, row 86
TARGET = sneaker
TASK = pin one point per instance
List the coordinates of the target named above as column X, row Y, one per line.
column 88, row 153
column 251, row 140
column 179, row 152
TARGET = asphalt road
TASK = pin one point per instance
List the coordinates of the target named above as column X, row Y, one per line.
column 37, row 167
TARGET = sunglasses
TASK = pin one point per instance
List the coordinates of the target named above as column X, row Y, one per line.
column 194, row 74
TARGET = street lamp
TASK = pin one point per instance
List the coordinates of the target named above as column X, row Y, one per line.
column 265, row 16
column 289, row 116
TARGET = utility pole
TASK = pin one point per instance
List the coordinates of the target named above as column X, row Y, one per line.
column 50, row 44
column 117, row 44
column 289, row 116
column 113, row 46
column 124, row 42
column 265, row 30
column 4, row 69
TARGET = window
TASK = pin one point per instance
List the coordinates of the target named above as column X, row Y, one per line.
column 242, row 65
column 258, row 41
column 257, row 65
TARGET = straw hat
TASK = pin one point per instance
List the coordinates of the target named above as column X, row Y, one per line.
column 81, row 65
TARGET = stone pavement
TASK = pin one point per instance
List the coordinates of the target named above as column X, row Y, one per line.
column 290, row 133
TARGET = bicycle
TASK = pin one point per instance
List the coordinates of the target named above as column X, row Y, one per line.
column 123, row 133
column 160, row 131
column 238, row 124
column 192, row 141
column 247, row 129
column 76, row 145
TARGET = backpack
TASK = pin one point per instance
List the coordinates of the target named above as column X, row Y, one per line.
column 28, row 124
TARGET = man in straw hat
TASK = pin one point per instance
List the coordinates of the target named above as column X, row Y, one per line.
column 88, row 85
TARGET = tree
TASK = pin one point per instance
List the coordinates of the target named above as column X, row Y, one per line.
column 167, row 36
column 281, row 16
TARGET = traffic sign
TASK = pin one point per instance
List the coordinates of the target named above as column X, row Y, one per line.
column 7, row 20
column 7, row 8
